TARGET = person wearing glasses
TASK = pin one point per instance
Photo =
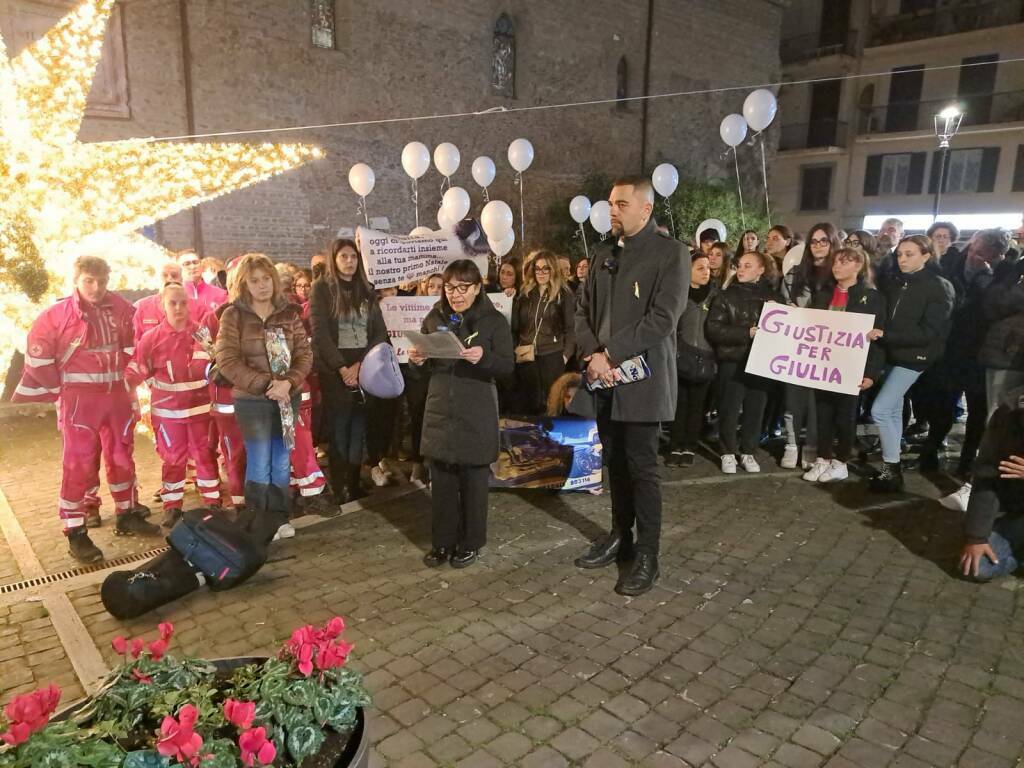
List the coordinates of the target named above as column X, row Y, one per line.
column 460, row 421
column 861, row 238
column 543, row 326
column 202, row 296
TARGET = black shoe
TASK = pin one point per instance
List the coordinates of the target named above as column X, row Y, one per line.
column 142, row 510
column 674, row 459
column 92, row 518
column 353, row 486
column 82, row 548
column 171, row 518
column 437, row 556
column 641, row 577
column 687, row 459
column 130, row 524
column 928, row 460
column 889, row 480
column 606, row 550
column 917, row 429
column 463, row 558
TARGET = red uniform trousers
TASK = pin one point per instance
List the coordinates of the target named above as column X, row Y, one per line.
column 94, row 424
column 306, row 473
column 232, row 450
column 177, row 441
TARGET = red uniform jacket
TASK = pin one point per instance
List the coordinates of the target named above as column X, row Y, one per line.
column 149, row 313
column 176, row 364
column 203, row 298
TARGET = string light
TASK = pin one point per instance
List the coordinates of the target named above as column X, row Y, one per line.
column 60, row 198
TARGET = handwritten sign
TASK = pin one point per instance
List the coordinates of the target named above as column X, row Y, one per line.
column 391, row 260
column 811, row 347
column 407, row 313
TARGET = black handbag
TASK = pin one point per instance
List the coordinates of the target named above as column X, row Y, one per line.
column 165, row 578
column 695, row 364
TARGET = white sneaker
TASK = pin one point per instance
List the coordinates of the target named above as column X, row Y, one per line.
column 748, row 463
column 286, row 531
column 835, row 472
column 958, row 499
column 789, row 457
column 729, row 464
column 380, row 479
column 818, row 468
column 809, row 458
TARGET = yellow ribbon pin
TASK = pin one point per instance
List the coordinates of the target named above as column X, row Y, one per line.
column 636, row 290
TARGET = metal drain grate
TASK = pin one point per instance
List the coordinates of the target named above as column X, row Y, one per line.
column 52, row 578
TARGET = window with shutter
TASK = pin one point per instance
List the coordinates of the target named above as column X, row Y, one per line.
column 815, row 188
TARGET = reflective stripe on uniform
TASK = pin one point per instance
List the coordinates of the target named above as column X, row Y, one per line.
column 70, row 505
column 73, row 522
column 312, row 491
column 173, row 486
column 306, row 397
column 35, row 391
column 207, row 483
column 200, row 355
column 180, row 386
column 238, row 499
column 223, row 407
column 118, row 487
column 176, row 496
column 91, row 378
column 300, row 481
column 124, row 504
column 38, row 362
column 184, row 413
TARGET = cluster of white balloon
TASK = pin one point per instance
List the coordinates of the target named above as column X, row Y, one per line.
column 496, row 217
column 759, row 110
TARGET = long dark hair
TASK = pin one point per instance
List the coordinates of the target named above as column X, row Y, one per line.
column 809, row 276
column 347, row 296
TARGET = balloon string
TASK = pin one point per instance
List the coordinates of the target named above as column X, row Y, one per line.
column 671, row 217
column 739, row 191
column 362, row 209
column 764, row 175
column 446, row 184
column 416, row 201
column 522, row 220
column 583, row 235
column 487, row 197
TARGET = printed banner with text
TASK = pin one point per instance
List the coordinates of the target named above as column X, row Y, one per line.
column 811, row 347
column 391, row 260
column 406, row 313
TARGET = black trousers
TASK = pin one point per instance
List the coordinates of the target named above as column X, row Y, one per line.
column 458, row 501
column 943, row 415
column 631, row 458
column 837, row 420
column 746, row 391
column 416, row 388
column 534, row 380
column 689, row 419
column 380, row 427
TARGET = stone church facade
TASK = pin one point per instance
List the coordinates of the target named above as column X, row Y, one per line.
column 179, row 67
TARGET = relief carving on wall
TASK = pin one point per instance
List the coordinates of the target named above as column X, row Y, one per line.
column 25, row 21
column 323, row 23
column 503, row 61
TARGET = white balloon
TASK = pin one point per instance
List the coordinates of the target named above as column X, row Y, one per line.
column 496, row 219
column 415, row 159
column 500, row 247
column 520, row 154
column 444, row 223
column 447, row 158
column 601, row 216
column 421, row 232
column 579, row 209
column 733, row 129
column 483, row 171
column 759, row 108
column 456, row 201
column 665, row 179
column 715, row 224
column 361, row 179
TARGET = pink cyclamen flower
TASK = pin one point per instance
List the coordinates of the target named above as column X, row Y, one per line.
column 240, row 713
column 157, row 649
column 120, row 645
column 254, row 745
column 177, row 738
column 33, row 709
column 305, row 658
column 16, row 734
column 166, row 630
column 334, row 627
column 144, row 679
column 137, row 645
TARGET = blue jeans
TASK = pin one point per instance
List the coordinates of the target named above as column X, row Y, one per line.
column 887, row 410
column 1006, row 540
column 267, row 459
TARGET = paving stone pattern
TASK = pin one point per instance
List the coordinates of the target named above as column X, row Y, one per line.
column 794, row 625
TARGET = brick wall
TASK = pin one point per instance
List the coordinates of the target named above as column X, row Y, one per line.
column 253, row 66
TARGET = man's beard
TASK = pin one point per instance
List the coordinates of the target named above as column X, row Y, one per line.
column 617, row 229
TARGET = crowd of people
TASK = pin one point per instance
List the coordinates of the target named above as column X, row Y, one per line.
column 224, row 350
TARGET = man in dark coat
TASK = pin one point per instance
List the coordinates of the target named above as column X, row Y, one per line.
column 629, row 305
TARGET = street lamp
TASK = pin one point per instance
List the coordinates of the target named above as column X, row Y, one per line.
column 947, row 123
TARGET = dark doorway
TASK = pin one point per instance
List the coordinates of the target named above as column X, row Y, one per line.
column 904, row 98
column 977, row 82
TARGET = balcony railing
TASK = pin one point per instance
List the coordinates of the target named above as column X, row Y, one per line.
column 820, row 133
column 808, row 47
column 958, row 16
column 1007, row 107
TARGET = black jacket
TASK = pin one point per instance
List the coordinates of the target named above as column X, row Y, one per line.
column 326, row 355
column 733, row 313
column 630, row 305
column 863, row 299
column 460, row 421
column 992, row 496
column 1003, row 347
column 552, row 320
column 888, row 275
column 692, row 328
column 959, row 367
column 919, row 305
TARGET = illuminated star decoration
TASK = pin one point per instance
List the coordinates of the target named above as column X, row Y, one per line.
column 57, row 193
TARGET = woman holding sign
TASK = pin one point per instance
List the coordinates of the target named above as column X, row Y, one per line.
column 920, row 304
column 731, row 325
column 460, row 425
column 836, row 411
column 346, row 323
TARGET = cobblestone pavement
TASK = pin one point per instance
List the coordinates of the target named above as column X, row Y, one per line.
column 793, row 626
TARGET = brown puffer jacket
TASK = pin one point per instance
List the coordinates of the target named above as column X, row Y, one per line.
column 242, row 348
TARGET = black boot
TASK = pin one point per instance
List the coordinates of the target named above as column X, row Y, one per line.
column 354, row 484
column 82, row 548
column 615, row 545
column 337, row 474
column 130, row 524
column 928, row 460
column 641, row 577
column 889, row 480
column 463, row 557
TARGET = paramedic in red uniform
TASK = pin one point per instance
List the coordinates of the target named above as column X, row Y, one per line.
column 202, row 297
column 77, row 353
column 176, row 364
column 149, row 311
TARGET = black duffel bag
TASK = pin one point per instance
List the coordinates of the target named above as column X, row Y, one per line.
column 221, row 549
column 165, row 578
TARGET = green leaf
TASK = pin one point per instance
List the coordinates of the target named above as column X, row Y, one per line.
column 304, row 741
column 299, row 693
column 145, row 759
column 323, row 708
